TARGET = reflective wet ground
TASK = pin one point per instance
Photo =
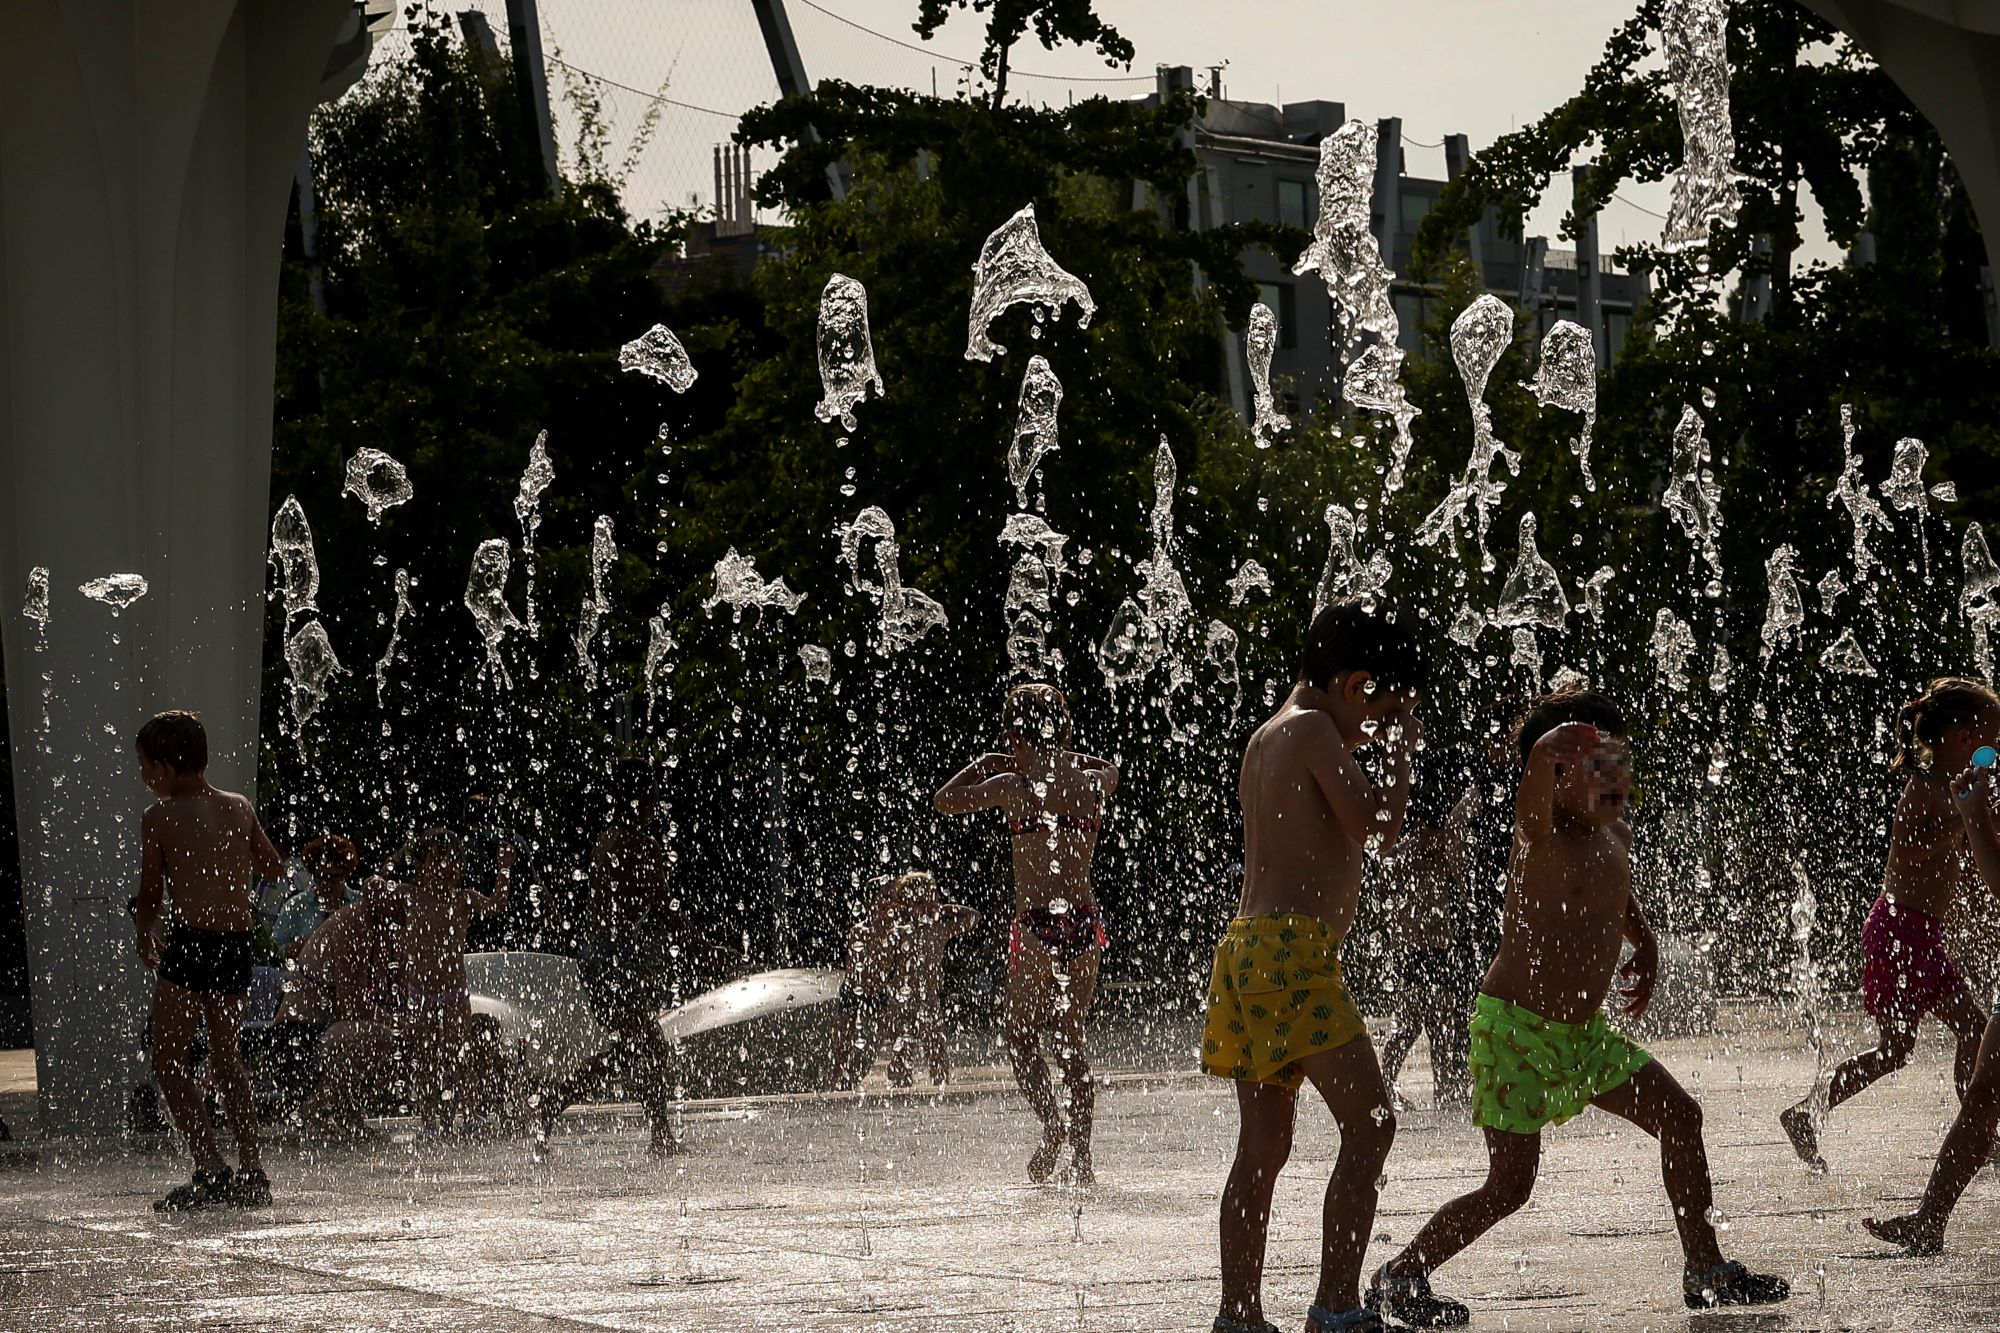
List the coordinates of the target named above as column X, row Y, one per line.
column 908, row 1213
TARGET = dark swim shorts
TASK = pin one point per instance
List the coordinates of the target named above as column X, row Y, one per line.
column 211, row 962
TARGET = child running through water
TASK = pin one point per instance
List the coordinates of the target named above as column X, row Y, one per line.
column 1053, row 798
column 1969, row 1141
column 1906, row 971
column 1541, row 1048
column 1279, row 1014
column 894, row 981
column 199, row 848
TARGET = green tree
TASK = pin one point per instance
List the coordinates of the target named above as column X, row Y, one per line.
column 1054, row 21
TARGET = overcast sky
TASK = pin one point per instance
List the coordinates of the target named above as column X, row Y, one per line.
column 1478, row 67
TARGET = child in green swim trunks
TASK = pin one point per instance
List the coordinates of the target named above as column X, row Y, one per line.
column 1279, row 1015
column 1541, row 1048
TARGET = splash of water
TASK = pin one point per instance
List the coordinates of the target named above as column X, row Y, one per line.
column 116, row 591
column 1905, row 490
column 1533, row 594
column 535, row 479
column 907, row 614
column 309, row 655
column 378, row 481
column 1344, row 250
column 1479, row 337
column 818, row 663
column 1527, row 653
column 486, row 599
column 1695, row 35
column 1218, row 649
column 1467, row 626
column 1033, row 531
column 739, row 586
column 1851, row 492
column 1026, row 608
column 35, row 604
column 871, row 524
column 659, row 645
column 388, row 657
column 1692, row 497
column 1808, row 990
column 1374, row 383
column 1567, row 378
column 1249, row 577
column 1977, row 595
column 1132, row 646
column 1014, row 269
column 1345, row 574
column 1261, row 344
column 1831, row 588
column 1034, row 425
column 1162, row 593
column 657, row 354
column 1594, row 589
column 1846, row 656
column 298, row 564
column 596, row 603
column 846, row 352
column 1786, row 610
column 1672, row 645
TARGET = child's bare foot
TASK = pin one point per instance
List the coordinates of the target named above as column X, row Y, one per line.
column 1081, row 1172
column 1799, row 1128
column 1909, row 1231
column 1043, row 1164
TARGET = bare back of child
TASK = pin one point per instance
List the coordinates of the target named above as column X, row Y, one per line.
column 1907, row 969
column 200, row 847
column 1279, row 1014
column 1541, row 1048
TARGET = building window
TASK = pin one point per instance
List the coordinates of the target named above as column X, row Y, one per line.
column 1410, row 321
column 1283, row 300
column 1617, row 326
column 1292, row 205
column 1416, row 207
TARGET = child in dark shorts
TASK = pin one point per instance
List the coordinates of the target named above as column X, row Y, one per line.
column 200, row 847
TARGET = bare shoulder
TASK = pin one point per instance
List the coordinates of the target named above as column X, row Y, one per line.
column 154, row 817
column 1621, row 833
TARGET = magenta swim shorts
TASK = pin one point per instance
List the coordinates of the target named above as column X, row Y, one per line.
column 1905, row 970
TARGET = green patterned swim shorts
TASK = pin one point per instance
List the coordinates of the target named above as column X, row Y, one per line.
column 1529, row 1071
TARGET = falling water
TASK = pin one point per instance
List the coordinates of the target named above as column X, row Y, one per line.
column 388, row 658
column 1034, row 425
column 378, row 481
column 1850, row 491
column 818, row 662
column 486, row 599
column 1831, row 588
column 1344, row 574
column 1567, row 378
column 1373, row 382
column 907, row 614
column 739, row 586
column 1249, row 577
column 1786, row 610
column 659, row 644
column 535, row 479
column 1533, row 593
column 1672, row 645
column 298, row 564
column 1479, row 337
column 658, row 354
column 1846, row 656
column 1014, row 269
column 596, row 602
column 1692, row 497
column 1344, row 250
column 1028, row 605
column 1976, row 596
column 116, row 591
column 1594, row 589
column 1141, row 633
column 1261, row 343
column 35, row 605
column 846, row 352
column 1695, row 35
column 309, row 655
column 1218, row 649
column 1905, row 490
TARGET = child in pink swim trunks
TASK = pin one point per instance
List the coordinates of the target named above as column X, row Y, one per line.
column 1906, row 972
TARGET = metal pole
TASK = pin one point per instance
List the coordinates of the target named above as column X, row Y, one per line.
column 524, row 30
column 791, row 72
column 1589, row 282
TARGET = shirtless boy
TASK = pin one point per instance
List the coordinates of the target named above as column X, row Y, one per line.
column 1279, row 1014
column 200, row 846
column 1541, row 1048
column 895, row 974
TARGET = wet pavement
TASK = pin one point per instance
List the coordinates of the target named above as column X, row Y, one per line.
column 910, row 1212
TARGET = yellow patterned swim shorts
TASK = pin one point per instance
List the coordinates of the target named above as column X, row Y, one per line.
column 1529, row 1071
column 1275, row 996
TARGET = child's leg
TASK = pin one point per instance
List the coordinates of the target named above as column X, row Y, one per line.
column 1030, row 996
column 1892, row 1052
column 937, row 1044
column 1350, row 1082
column 1967, row 1021
column 901, row 1039
column 1512, row 1161
column 1967, row 1145
column 223, row 1015
column 1074, row 991
column 176, row 1016
column 846, row 1034
column 1265, row 1114
column 1656, row 1103
column 1405, row 1026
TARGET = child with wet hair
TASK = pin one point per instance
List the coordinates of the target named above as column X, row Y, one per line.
column 1906, row 971
column 895, row 979
column 199, row 848
column 1541, row 1048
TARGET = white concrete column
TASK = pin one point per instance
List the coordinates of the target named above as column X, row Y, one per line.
column 146, row 157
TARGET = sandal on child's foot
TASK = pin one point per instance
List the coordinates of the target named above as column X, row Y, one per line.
column 1731, row 1284
column 1362, row 1320
column 1797, row 1122
column 1043, row 1164
column 1410, row 1299
column 250, row 1189
column 1915, row 1240
column 208, row 1189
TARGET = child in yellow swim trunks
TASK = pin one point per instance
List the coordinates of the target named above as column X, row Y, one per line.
column 1541, row 1047
column 1278, row 1012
